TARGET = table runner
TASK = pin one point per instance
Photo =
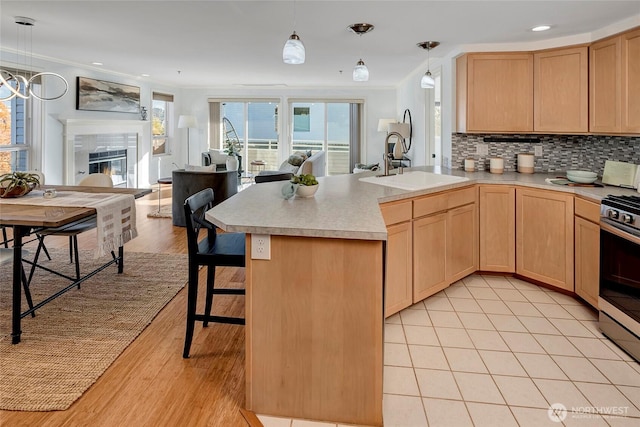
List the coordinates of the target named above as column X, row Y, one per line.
column 115, row 214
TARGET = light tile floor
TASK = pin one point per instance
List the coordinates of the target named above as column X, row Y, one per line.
column 498, row 351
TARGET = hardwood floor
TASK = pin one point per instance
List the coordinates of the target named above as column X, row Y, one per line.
column 150, row 384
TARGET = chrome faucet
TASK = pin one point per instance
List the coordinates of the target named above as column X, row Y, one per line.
column 386, row 156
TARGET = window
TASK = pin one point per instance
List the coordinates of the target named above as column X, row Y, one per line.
column 16, row 118
column 161, row 115
column 330, row 126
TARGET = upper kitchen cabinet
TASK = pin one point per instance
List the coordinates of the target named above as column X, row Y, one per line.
column 561, row 90
column 614, row 84
column 494, row 92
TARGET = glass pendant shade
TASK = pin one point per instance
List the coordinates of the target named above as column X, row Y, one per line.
column 293, row 52
column 360, row 72
column 427, row 81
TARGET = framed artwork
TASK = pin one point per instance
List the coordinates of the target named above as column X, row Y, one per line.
column 100, row 95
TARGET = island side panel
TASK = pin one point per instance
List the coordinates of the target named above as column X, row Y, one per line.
column 315, row 330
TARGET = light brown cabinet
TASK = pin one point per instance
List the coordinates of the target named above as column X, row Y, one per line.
column 429, row 251
column 544, row 236
column 494, row 92
column 497, row 217
column 399, row 256
column 561, row 90
column 445, row 240
column 587, row 250
column 614, row 84
column 462, row 242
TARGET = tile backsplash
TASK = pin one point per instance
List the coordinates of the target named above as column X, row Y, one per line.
column 559, row 152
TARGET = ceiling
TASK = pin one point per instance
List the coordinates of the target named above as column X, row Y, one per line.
column 239, row 43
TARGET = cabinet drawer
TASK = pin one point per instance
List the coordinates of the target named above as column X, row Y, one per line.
column 428, row 205
column 462, row 197
column 587, row 210
column 396, row 212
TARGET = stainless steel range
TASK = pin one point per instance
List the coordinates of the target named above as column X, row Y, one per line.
column 619, row 301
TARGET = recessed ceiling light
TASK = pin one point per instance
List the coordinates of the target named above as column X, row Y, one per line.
column 145, row 75
column 96, row 63
column 541, row 28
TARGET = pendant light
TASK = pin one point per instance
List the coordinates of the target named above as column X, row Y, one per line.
column 427, row 81
column 360, row 71
column 293, row 51
column 23, row 85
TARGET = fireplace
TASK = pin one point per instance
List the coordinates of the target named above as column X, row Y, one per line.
column 104, row 146
column 112, row 163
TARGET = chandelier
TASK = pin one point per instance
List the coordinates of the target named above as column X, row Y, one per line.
column 22, row 86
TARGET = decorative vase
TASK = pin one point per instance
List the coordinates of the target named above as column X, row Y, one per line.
column 306, row 190
column 232, row 163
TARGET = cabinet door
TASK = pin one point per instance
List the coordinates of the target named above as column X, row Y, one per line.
column 605, row 85
column 631, row 82
column 497, row 228
column 499, row 92
column 587, row 258
column 462, row 242
column 429, row 255
column 544, row 236
column 399, row 284
column 561, row 90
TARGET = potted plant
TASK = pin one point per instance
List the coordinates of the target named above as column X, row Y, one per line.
column 17, row 184
column 232, row 148
column 307, row 185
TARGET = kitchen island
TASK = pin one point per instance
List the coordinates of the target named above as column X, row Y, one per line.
column 314, row 310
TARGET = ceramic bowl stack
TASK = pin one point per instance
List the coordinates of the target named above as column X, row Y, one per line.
column 582, row 177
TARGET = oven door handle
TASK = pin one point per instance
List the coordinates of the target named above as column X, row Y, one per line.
column 618, row 232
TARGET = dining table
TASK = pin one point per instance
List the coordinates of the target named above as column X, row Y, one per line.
column 31, row 213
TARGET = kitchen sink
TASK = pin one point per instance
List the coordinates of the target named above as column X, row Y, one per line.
column 414, row 180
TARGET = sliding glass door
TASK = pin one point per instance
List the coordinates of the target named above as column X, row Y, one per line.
column 254, row 123
column 330, row 126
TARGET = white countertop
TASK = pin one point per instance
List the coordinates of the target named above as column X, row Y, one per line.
column 346, row 208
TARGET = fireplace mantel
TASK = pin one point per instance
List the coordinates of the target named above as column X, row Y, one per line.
column 74, row 127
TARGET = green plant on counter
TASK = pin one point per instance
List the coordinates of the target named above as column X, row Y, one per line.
column 303, row 179
column 17, row 184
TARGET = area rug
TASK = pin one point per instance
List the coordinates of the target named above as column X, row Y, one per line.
column 76, row 337
column 164, row 212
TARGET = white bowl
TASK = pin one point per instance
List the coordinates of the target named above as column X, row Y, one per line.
column 583, row 177
column 307, row 190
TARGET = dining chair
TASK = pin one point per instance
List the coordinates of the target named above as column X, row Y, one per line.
column 73, row 230
column 213, row 250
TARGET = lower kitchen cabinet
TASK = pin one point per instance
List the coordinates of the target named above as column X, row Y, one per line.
column 497, row 215
column 399, row 256
column 399, row 283
column 462, row 242
column 587, row 250
column 545, row 237
column 429, row 253
column 445, row 240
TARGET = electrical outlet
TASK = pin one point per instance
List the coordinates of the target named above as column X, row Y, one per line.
column 482, row 150
column 260, row 246
column 537, row 151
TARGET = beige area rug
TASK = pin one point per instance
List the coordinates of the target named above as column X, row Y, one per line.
column 165, row 212
column 76, row 337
